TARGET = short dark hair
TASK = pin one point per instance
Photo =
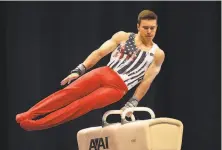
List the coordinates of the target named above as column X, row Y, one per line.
column 147, row 14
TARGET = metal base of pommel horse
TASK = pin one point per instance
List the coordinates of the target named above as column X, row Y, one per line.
column 150, row 134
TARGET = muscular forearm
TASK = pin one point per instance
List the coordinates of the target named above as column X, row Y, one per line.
column 92, row 59
column 146, row 83
column 141, row 91
column 138, row 95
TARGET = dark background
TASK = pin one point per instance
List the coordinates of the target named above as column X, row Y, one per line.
column 43, row 41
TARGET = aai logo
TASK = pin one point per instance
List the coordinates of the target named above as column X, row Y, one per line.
column 99, row 144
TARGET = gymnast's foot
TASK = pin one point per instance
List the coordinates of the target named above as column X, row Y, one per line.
column 22, row 116
column 28, row 125
column 33, row 125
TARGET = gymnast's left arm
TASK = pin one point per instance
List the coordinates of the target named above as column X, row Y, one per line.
column 149, row 76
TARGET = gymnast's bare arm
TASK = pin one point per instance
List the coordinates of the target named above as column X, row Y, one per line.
column 106, row 48
column 150, row 74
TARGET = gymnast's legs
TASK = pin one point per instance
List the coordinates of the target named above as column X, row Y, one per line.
column 95, row 89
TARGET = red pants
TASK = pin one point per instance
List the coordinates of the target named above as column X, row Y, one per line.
column 95, row 89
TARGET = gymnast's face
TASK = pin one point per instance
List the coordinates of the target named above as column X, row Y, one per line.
column 147, row 29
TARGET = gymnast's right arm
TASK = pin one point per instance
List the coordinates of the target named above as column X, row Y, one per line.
column 106, row 48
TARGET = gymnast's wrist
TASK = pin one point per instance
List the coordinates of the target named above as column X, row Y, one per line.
column 80, row 69
column 132, row 102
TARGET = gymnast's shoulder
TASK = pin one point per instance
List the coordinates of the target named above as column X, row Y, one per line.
column 121, row 36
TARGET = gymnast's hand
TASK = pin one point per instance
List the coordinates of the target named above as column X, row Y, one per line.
column 129, row 113
column 69, row 78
